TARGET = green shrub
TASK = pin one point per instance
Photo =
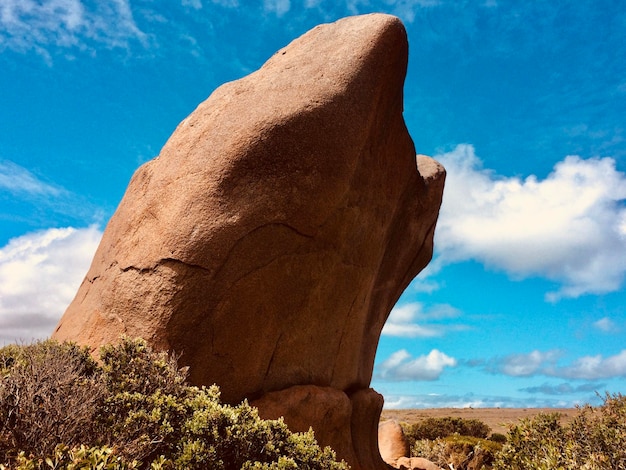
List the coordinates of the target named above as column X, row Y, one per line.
column 145, row 405
column 60, row 409
column 594, row 440
column 101, row 458
column 463, row 452
column 497, row 437
column 435, row 428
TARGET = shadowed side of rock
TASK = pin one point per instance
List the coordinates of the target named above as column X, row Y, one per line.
column 269, row 240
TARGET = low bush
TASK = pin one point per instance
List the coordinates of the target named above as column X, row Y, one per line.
column 497, row 437
column 462, row 452
column 59, row 409
column 449, row 440
column 594, row 440
column 435, row 428
column 49, row 393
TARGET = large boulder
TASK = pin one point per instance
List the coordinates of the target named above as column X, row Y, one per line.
column 269, row 240
column 392, row 443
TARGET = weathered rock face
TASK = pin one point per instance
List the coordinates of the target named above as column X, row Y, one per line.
column 271, row 237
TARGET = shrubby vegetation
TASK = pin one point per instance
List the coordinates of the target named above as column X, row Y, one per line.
column 434, row 428
column 593, row 440
column 463, row 452
column 449, row 440
column 59, row 409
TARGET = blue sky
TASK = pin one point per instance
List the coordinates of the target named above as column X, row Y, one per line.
column 523, row 102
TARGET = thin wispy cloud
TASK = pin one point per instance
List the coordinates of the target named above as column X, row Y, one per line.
column 278, row 7
column 402, row 366
column 606, row 325
column 564, row 388
column 38, row 25
column 569, row 227
column 196, row 4
column 408, row 10
column 17, row 180
column 41, row 201
column 39, row 275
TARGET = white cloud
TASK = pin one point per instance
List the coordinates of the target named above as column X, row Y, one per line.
column 401, row 366
column 36, row 25
column 394, row 401
column 606, row 325
column 546, row 363
column 569, row 227
column 412, row 320
column 525, row 365
column 18, row 180
column 594, row 367
column 39, row 275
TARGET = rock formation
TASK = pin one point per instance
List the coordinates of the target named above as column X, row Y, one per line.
column 269, row 240
column 392, row 443
column 395, row 450
column 415, row 463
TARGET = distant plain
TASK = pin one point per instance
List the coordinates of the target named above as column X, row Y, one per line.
column 498, row 419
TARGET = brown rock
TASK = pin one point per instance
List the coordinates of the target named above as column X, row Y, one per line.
column 330, row 409
column 392, row 442
column 416, row 463
column 271, row 237
column 340, row 421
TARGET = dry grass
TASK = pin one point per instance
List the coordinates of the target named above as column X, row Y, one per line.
column 498, row 419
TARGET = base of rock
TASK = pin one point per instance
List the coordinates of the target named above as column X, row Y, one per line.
column 348, row 423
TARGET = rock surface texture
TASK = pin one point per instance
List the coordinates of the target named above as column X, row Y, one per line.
column 269, row 240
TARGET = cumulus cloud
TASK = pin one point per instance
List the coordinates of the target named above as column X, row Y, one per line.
column 412, row 320
column 525, row 365
column 548, row 363
column 569, row 227
column 402, row 366
column 39, row 275
column 593, row 367
column 30, row 24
